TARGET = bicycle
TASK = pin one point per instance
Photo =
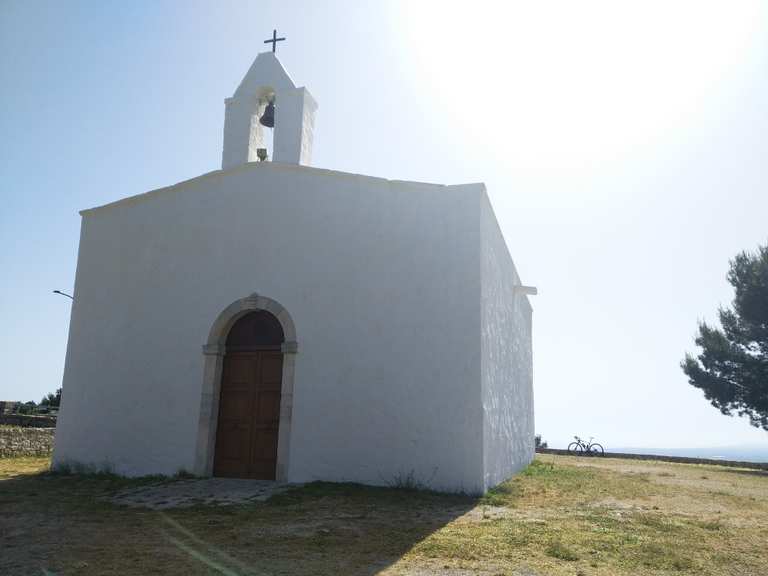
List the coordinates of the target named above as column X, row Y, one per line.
column 580, row 448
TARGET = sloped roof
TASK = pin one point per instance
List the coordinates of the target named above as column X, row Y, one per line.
column 251, row 166
column 266, row 70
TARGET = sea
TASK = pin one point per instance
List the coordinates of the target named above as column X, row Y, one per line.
column 744, row 453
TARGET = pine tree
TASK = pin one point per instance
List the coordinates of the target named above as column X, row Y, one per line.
column 732, row 367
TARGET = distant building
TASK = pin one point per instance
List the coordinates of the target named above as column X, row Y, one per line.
column 8, row 406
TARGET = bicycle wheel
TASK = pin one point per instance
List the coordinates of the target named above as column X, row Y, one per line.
column 575, row 448
column 596, row 450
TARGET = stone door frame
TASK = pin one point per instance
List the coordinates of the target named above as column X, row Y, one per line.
column 213, row 352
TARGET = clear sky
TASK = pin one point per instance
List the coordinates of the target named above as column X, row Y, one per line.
column 624, row 145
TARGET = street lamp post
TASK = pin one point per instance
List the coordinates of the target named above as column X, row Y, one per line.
column 63, row 294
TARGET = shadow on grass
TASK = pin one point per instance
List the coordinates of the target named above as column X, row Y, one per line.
column 61, row 524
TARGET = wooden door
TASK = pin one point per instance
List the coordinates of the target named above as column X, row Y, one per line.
column 249, row 415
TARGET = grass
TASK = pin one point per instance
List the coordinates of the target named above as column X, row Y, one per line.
column 559, row 516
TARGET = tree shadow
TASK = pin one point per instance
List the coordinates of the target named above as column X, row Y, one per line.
column 64, row 524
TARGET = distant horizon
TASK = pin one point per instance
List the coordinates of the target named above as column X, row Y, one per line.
column 708, row 447
column 739, row 452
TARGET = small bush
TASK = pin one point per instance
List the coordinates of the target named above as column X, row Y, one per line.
column 664, row 556
column 560, row 551
column 713, row 525
column 407, row 481
column 72, row 467
column 183, row 474
column 503, row 494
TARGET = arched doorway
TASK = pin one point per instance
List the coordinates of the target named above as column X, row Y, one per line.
column 249, row 405
column 213, row 354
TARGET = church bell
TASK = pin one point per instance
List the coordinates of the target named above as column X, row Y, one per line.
column 268, row 118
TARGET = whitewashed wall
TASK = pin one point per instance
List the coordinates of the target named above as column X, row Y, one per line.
column 507, row 363
column 381, row 279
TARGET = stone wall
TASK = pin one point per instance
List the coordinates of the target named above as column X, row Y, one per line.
column 16, row 441
column 33, row 420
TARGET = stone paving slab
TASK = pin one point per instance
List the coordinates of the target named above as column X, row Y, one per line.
column 199, row 491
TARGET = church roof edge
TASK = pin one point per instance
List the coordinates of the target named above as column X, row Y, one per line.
column 260, row 166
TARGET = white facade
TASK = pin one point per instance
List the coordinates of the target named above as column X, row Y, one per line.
column 408, row 346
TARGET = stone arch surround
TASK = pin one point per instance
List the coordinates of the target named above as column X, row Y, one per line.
column 213, row 351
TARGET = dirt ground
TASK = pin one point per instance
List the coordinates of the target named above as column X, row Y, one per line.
column 561, row 516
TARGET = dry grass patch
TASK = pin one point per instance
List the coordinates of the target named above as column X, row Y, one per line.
column 16, row 467
column 560, row 516
column 593, row 516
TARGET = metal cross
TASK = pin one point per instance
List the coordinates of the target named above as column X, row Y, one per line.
column 274, row 40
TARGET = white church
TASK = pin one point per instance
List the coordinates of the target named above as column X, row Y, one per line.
column 273, row 320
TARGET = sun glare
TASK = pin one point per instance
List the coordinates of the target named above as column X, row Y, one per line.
column 578, row 83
